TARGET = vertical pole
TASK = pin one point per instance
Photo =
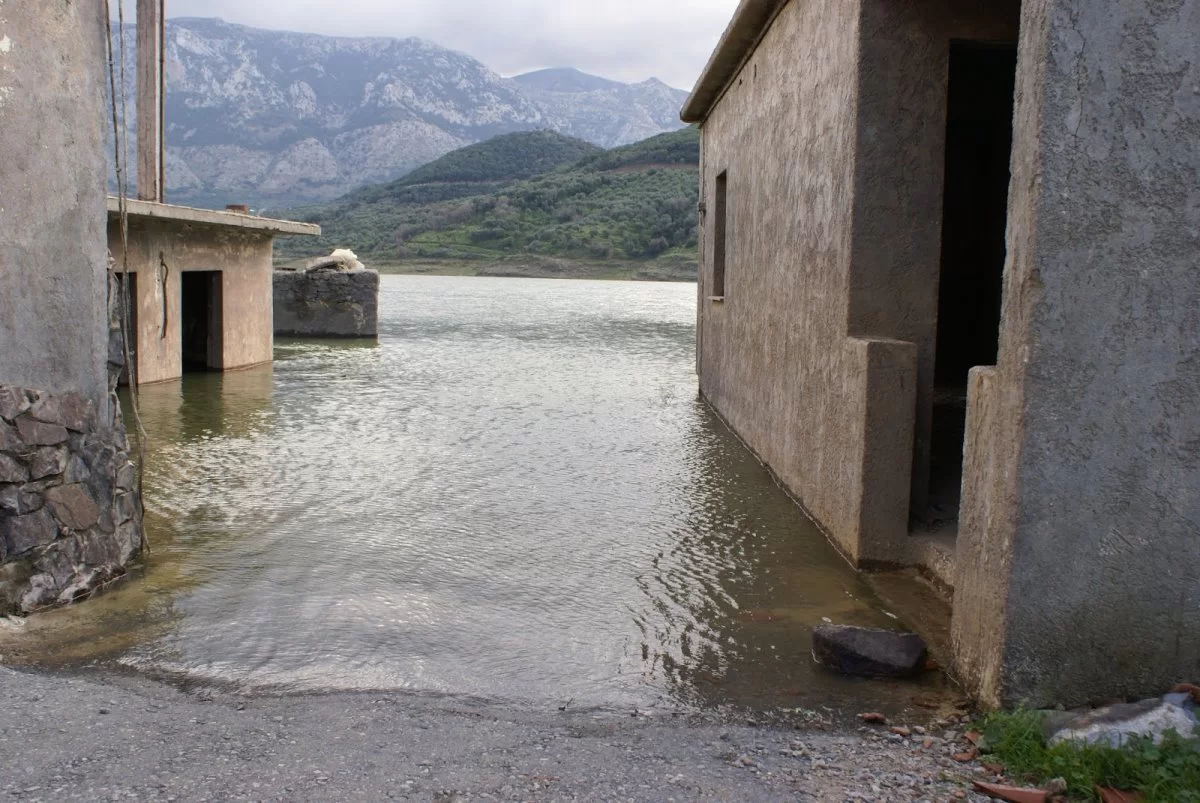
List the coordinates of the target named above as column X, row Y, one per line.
column 150, row 99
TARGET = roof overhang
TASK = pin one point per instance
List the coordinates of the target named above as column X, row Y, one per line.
column 750, row 24
column 170, row 213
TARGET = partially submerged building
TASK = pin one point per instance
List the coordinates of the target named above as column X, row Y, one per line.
column 950, row 294
column 200, row 281
column 199, row 284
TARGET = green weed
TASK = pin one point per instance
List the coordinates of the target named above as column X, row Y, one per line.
column 1166, row 773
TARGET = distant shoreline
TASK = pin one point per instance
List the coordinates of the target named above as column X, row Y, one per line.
column 675, row 268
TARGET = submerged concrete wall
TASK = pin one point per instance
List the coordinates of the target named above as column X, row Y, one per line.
column 70, row 517
column 1079, row 546
column 327, row 303
column 772, row 352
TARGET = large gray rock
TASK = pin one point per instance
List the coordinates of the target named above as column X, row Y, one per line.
column 11, row 470
column 866, row 652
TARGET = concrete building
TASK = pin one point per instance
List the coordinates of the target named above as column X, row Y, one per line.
column 200, row 284
column 200, row 281
column 70, row 515
column 950, row 294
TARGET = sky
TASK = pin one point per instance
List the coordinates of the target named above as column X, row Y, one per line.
column 626, row 40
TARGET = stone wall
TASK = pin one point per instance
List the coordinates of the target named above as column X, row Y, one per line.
column 70, row 512
column 327, row 303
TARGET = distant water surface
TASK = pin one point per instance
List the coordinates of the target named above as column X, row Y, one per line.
column 515, row 494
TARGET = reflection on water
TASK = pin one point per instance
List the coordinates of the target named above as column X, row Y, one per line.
column 514, row 494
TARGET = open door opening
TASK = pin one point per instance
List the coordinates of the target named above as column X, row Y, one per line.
column 979, row 134
column 127, row 294
column 201, row 320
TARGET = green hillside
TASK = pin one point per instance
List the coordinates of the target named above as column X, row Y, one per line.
column 511, row 206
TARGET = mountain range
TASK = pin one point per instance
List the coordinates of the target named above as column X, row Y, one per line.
column 273, row 119
column 530, row 204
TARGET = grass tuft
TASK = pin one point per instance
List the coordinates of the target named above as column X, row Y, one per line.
column 1166, row 773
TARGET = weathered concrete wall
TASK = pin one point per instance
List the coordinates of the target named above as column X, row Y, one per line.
column 245, row 260
column 772, row 357
column 53, row 313
column 1080, row 567
column 327, row 303
column 821, row 355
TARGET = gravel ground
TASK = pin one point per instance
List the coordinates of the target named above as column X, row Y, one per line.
column 108, row 736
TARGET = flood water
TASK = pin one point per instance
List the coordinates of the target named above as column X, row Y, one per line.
column 516, row 494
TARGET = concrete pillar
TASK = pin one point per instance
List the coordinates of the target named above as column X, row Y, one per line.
column 53, row 269
column 70, row 512
column 150, row 100
column 1080, row 542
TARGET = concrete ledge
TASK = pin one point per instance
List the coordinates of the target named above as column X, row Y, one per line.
column 210, row 217
column 882, row 377
column 937, row 556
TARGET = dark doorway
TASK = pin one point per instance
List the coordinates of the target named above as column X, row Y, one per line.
column 127, row 308
column 979, row 134
column 200, row 320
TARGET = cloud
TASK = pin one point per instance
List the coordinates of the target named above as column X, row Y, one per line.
column 627, row 40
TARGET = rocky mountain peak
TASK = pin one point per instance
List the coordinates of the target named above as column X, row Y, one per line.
column 275, row 118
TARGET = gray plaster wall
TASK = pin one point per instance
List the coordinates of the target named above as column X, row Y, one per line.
column 327, row 303
column 773, row 354
column 53, row 265
column 1080, row 547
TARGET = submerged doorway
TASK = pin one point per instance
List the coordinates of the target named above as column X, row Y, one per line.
column 127, row 305
column 979, row 134
column 201, row 320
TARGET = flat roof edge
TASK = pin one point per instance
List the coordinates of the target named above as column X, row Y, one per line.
column 745, row 32
column 210, row 217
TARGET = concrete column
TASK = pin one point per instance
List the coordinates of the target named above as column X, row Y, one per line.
column 1080, row 570
column 53, row 270
column 150, row 100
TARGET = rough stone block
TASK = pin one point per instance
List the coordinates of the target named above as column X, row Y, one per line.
column 12, row 402
column 39, row 433
column 17, row 500
column 9, row 438
column 69, row 410
column 126, row 507
column 866, row 652
column 77, row 470
column 48, row 461
column 12, row 470
column 19, row 534
column 73, row 506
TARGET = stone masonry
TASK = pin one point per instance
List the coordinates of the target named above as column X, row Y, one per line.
column 70, row 511
column 327, row 303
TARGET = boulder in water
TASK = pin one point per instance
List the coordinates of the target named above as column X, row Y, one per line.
column 866, row 652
